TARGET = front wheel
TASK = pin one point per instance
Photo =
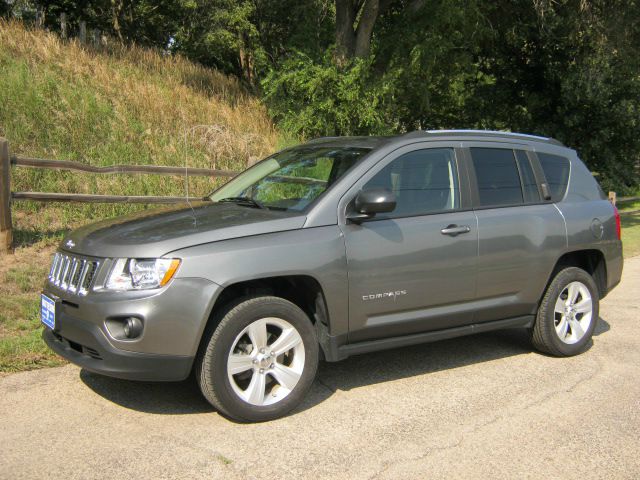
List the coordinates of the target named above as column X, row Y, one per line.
column 259, row 361
column 568, row 314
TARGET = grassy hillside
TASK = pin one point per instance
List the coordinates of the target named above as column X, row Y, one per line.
column 114, row 106
column 117, row 106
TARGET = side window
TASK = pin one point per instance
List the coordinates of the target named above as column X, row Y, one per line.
column 424, row 181
column 556, row 169
column 529, row 184
column 498, row 177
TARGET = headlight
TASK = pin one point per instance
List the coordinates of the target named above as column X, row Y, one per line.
column 141, row 274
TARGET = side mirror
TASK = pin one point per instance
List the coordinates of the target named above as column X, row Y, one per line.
column 370, row 202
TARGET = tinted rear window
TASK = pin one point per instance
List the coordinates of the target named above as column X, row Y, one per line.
column 556, row 169
column 498, row 177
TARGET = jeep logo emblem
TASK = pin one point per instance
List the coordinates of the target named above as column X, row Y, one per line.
column 69, row 244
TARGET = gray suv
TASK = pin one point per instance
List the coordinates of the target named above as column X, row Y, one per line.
column 337, row 247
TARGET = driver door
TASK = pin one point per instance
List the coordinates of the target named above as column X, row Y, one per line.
column 408, row 271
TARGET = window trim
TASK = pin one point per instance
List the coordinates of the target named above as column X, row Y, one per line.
column 346, row 201
column 527, row 158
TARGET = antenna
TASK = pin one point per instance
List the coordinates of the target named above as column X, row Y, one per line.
column 190, row 131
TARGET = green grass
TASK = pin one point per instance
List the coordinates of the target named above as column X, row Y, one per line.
column 21, row 277
column 631, row 234
column 124, row 105
column 630, row 217
column 127, row 105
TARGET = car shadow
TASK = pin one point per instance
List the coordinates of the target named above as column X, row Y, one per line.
column 164, row 398
column 180, row 398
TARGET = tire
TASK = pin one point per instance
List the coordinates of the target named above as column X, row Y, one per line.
column 261, row 344
column 563, row 326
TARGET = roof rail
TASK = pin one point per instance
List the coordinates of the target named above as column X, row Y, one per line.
column 319, row 139
column 489, row 133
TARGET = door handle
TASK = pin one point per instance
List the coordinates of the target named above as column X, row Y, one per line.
column 454, row 230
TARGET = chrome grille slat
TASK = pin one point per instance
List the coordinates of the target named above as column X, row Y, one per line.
column 73, row 280
column 54, row 265
column 73, row 273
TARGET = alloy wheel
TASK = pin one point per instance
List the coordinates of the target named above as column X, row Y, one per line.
column 266, row 361
column 573, row 312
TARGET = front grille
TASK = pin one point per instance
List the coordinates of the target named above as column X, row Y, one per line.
column 73, row 273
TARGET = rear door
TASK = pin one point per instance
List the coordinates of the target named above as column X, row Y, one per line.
column 406, row 273
column 519, row 234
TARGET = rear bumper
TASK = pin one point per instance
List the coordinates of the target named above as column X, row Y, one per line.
column 85, row 345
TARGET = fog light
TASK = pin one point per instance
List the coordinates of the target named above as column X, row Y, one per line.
column 132, row 327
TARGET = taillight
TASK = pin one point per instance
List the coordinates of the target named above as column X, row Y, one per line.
column 618, row 224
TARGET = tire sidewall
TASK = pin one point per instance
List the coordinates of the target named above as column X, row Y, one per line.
column 564, row 278
column 230, row 328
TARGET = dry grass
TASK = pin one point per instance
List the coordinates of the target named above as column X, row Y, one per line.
column 121, row 105
column 166, row 95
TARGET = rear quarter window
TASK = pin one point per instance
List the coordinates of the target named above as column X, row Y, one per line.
column 556, row 171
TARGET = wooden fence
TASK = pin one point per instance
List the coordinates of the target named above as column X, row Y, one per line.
column 7, row 196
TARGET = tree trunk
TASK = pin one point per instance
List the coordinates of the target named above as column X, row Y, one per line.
column 345, row 36
column 355, row 40
column 365, row 28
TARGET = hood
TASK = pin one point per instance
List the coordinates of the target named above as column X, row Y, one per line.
column 154, row 233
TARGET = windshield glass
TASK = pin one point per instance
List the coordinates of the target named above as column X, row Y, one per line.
column 290, row 180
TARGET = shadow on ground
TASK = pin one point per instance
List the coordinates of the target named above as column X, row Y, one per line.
column 180, row 398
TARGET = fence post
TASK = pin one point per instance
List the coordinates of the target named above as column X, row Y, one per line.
column 63, row 25
column 39, row 17
column 612, row 198
column 95, row 38
column 83, row 32
column 6, row 235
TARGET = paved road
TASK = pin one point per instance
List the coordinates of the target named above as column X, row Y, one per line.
column 478, row 407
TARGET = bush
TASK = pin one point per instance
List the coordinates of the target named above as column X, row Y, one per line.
column 311, row 99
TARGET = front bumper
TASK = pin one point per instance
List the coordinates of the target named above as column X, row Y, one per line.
column 173, row 317
column 91, row 352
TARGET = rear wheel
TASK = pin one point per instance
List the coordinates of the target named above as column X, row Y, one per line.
column 568, row 314
column 259, row 361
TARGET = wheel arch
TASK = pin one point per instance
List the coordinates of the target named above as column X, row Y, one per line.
column 304, row 291
column 592, row 261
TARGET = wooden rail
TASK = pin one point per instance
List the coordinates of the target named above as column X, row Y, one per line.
column 7, row 196
column 83, row 198
column 82, row 167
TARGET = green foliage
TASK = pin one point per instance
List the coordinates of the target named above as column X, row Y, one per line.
column 570, row 70
column 319, row 99
column 564, row 68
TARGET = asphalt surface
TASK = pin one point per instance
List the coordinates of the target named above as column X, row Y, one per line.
column 479, row 407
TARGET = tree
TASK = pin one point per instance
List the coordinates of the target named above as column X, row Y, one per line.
column 355, row 22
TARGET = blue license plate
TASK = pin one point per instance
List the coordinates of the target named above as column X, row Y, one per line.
column 48, row 311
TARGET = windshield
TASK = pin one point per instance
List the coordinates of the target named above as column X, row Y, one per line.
column 289, row 180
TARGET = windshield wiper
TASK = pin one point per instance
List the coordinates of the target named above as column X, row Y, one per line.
column 244, row 201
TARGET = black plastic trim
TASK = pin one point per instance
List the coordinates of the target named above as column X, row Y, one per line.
column 334, row 348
